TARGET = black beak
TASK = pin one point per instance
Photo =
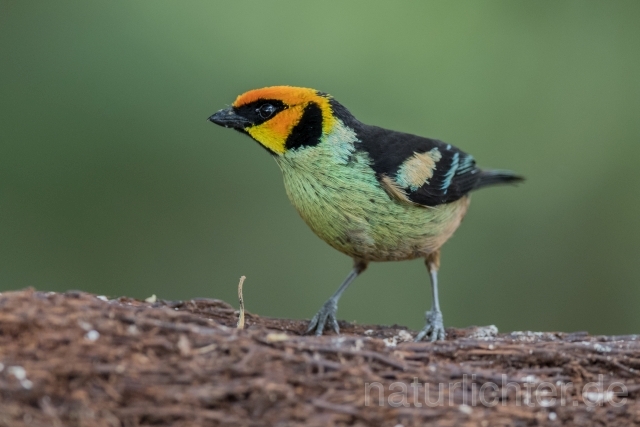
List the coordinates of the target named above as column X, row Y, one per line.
column 229, row 119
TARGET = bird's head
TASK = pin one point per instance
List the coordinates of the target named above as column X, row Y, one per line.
column 281, row 118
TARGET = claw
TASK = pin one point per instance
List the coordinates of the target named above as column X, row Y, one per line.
column 434, row 329
column 326, row 313
column 334, row 325
column 312, row 324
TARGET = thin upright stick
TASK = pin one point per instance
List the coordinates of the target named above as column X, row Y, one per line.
column 241, row 316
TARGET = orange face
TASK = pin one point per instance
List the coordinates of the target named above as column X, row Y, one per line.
column 273, row 133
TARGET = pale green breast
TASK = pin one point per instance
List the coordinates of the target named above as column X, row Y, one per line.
column 338, row 195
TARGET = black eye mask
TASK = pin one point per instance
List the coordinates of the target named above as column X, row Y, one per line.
column 258, row 112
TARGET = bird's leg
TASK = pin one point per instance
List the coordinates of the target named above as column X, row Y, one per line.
column 434, row 329
column 329, row 309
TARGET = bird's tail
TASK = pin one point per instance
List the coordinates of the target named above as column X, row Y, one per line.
column 493, row 177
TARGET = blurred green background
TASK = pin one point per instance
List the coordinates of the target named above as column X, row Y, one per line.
column 113, row 182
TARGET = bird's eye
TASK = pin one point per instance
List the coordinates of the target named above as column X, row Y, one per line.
column 266, row 111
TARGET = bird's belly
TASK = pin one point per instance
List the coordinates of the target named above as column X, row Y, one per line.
column 358, row 218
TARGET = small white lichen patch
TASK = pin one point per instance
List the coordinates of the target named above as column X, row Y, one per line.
column 390, row 342
column 596, row 397
column 602, row 348
column 92, row 335
column 103, row 298
column 368, row 332
column 545, row 398
column 485, row 332
column 532, row 336
column 151, row 299
column 21, row 375
column 402, row 336
column 17, row 371
column 465, row 409
column 405, row 336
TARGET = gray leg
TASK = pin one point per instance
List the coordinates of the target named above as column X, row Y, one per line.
column 434, row 329
column 330, row 308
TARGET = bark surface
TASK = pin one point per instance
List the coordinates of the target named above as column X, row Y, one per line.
column 76, row 359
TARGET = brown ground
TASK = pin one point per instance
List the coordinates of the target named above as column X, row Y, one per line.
column 74, row 359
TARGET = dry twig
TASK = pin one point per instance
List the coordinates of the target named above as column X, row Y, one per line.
column 241, row 315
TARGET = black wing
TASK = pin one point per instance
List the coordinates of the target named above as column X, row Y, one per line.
column 427, row 171
column 449, row 173
column 401, row 161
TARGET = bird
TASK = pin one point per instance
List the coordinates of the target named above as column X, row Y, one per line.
column 371, row 193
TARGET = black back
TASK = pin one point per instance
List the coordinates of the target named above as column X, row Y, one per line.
column 455, row 174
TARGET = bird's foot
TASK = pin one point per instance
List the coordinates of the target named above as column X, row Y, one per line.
column 434, row 329
column 326, row 314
